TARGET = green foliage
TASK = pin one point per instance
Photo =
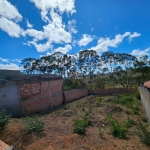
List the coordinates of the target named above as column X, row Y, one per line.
column 99, row 99
column 4, row 119
column 35, row 124
column 137, row 95
column 125, row 100
column 144, row 119
column 59, row 112
column 129, row 123
column 117, row 129
column 143, row 133
column 135, row 110
column 72, row 84
column 100, row 83
column 66, row 107
column 79, row 126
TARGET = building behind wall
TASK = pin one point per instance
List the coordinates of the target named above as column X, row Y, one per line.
column 5, row 73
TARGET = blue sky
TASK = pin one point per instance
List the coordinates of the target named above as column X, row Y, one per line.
column 33, row 28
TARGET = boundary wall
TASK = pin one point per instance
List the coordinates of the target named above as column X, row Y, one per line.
column 37, row 93
column 145, row 98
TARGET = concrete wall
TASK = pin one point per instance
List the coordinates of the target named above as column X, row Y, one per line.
column 9, row 98
column 114, row 91
column 74, row 94
column 145, row 97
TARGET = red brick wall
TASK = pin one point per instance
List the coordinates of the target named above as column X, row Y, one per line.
column 115, row 91
column 36, row 97
column 75, row 94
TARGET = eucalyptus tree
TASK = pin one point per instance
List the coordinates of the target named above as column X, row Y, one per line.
column 110, row 59
column 27, row 65
column 57, row 62
column 88, row 60
column 142, row 68
column 118, row 72
column 126, row 60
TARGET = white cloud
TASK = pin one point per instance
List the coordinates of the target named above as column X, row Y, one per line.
column 64, row 50
column 104, row 43
column 9, row 11
column 86, row 39
column 54, row 5
column 134, row 35
column 53, row 32
column 17, row 60
column 29, row 25
column 10, row 66
column 37, row 35
column 4, row 60
column 138, row 52
column 92, row 29
column 41, row 47
column 72, row 26
column 10, row 27
column 9, row 16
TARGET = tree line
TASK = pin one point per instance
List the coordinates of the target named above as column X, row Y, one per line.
column 117, row 66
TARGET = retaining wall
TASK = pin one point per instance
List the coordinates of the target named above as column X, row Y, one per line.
column 75, row 94
column 145, row 98
column 114, row 91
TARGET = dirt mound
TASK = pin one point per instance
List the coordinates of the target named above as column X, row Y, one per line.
column 68, row 113
column 113, row 108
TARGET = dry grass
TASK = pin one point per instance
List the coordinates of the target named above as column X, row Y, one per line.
column 58, row 133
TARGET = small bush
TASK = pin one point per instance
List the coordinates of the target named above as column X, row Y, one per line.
column 143, row 133
column 35, row 124
column 66, row 107
column 117, row 129
column 129, row 123
column 79, row 126
column 137, row 95
column 99, row 99
column 125, row 100
column 4, row 119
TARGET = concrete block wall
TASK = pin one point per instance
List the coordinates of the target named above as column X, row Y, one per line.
column 145, row 98
column 40, row 96
column 114, row 91
column 75, row 94
column 9, row 98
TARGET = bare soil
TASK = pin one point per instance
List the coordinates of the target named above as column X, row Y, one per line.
column 58, row 133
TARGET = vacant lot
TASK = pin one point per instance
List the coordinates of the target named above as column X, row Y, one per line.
column 99, row 113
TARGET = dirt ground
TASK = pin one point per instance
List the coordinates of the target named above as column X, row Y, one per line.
column 58, row 133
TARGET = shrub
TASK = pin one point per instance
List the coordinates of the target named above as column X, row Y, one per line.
column 137, row 95
column 117, row 129
column 143, row 133
column 99, row 99
column 66, row 107
column 125, row 100
column 4, row 119
column 35, row 124
column 79, row 126
column 129, row 123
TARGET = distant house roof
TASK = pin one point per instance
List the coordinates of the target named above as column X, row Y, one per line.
column 147, row 84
